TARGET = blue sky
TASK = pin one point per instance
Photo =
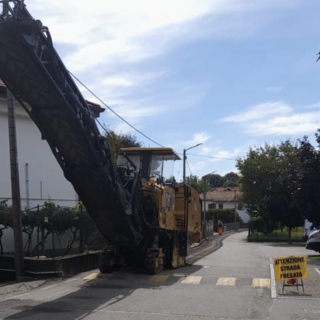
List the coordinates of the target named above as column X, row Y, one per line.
column 228, row 74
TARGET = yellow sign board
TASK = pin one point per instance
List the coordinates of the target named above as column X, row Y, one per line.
column 294, row 267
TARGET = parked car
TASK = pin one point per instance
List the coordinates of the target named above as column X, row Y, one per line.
column 313, row 242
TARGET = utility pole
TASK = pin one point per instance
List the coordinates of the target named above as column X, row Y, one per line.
column 235, row 207
column 185, row 186
column 184, row 165
column 5, row 7
column 15, row 189
column 185, row 159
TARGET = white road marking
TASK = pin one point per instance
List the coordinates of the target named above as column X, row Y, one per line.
column 192, row 279
column 273, row 282
column 46, row 288
column 91, row 276
column 14, row 297
column 261, row 283
column 317, row 270
column 230, row 282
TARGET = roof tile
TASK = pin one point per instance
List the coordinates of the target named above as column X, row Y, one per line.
column 222, row 195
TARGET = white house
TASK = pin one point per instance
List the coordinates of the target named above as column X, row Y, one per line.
column 225, row 198
column 41, row 178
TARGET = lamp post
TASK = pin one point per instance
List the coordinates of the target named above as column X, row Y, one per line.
column 184, row 185
column 184, row 160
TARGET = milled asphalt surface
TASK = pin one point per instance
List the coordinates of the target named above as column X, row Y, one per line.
column 131, row 294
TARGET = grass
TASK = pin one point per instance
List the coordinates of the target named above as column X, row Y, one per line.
column 314, row 257
column 278, row 235
column 286, row 244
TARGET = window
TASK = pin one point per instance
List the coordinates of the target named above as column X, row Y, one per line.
column 220, row 205
column 123, row 162
column 212, row 206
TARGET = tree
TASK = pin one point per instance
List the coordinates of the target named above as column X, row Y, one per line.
column 193, row 182
column 30, row 220
column 201, row 185
column 309, row 192
column 5, row 220
column 214, row 180
column 116, row 141
column 231, row 179
column 270, row 178
column 224, row 215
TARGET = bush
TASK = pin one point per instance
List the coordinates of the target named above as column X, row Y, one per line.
column 279, row 235
column 261, row 225
column 224, row 215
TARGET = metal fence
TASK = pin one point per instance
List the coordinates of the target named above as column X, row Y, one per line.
column 208, row 228
column 230, row 226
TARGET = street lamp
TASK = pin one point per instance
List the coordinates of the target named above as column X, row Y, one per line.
column 184, row 184
column 184, row 161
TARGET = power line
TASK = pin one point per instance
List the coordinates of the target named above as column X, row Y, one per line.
column 204, row 156
column 189, row 168
column 124, row 120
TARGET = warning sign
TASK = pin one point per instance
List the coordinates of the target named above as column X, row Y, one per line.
column 294, row 267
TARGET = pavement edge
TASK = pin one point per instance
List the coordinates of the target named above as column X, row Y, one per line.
column 273, row 281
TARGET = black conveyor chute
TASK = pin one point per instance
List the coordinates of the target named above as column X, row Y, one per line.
column 33, row 71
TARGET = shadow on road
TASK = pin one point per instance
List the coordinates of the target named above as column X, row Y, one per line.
column 104, row 291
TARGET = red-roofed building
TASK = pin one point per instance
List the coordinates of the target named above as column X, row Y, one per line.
column 226, row 198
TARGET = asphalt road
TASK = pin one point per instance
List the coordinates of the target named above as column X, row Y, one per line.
column 230, row 283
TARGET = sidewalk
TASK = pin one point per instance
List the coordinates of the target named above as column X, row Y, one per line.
column 204, row 248
column 207, row 246
column 20, row 287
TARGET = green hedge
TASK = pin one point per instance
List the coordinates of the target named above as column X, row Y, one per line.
column 224, row 215
column 277, row 235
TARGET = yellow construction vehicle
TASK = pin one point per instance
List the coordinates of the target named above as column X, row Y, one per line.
column 146, row 217
column 172, row 210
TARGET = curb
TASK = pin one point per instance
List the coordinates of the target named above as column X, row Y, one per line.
column 212, row 245
column 273, row 281
column 24, row 286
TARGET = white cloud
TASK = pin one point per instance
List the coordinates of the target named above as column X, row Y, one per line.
column 260, row 111
column 109, row 32
column 299, row 123
column 129, row 80
column 277, row 118
column 101, row 40
column 117, row 81
column 226, row 154
column 201, row 137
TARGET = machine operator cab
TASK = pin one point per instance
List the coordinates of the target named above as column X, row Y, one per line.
column 155, row 167
column 154, row 164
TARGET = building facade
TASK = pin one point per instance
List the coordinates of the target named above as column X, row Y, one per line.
column 225, row 198
column 41, row 178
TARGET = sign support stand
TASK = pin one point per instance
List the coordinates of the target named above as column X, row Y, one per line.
column 294, row 283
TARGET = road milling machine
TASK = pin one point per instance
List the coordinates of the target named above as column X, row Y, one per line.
column 146, row 217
